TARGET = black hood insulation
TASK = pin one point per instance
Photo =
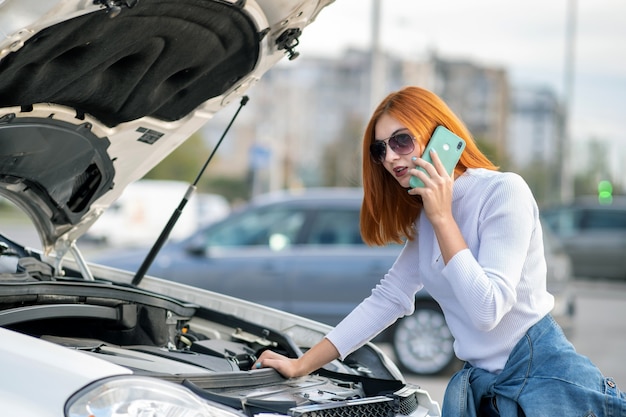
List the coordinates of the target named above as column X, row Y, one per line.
column 160, row 58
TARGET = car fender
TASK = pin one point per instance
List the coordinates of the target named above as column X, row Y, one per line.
column 38, row 376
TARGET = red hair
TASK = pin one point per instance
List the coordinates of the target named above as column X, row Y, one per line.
column 388, row 211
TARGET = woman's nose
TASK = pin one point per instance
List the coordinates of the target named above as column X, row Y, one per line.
column 390, row 155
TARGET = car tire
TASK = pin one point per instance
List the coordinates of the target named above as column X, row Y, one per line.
column 422, row 342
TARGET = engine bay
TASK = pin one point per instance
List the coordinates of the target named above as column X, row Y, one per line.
column 208, row 351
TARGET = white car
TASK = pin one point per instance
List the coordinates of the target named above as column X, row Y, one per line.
column 94, row 94
column 144, row 208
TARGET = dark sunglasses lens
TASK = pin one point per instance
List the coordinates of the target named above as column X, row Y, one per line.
column 378, row 151
column 401, row 143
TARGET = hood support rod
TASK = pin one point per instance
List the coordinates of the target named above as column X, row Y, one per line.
column 141, row 272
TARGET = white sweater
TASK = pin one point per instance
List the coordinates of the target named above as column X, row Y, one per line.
column 491, row 293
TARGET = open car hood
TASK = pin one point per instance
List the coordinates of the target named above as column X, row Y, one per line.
column 104, row 347
column 95, row 93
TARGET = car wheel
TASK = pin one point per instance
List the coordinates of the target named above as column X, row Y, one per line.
column 422, row 341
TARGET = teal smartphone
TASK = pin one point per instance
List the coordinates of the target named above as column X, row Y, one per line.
column 448, row 146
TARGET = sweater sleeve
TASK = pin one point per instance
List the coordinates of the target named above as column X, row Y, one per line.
column 485, row 281
column 392, row 298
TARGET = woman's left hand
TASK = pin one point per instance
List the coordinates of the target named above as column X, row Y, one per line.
column 437, row 191
column 285, row 366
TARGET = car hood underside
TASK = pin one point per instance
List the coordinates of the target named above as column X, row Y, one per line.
column 93, row 95
column 138, row 63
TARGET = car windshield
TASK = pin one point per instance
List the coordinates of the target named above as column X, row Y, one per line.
column 335, row 227
column 274, row 228
column 603, row 219
column 278, row 228
column 570, row 221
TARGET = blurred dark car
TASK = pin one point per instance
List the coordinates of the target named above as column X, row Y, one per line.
column 593, row 234
column 304, row 253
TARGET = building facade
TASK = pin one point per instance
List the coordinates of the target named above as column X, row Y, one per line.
column 307, row 117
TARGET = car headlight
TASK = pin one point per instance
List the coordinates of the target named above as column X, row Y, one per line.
column 140, row 397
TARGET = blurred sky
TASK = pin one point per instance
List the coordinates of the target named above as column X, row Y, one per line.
column 526, row 38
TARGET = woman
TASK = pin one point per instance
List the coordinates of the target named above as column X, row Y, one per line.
column 474, row 242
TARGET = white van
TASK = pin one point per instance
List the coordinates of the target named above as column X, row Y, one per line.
column 144, row 208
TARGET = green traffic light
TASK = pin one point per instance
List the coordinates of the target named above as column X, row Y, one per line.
column 605, row 192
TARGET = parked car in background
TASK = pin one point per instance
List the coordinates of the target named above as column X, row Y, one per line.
column 93, row 95
column 593, row 234
column 302, row 252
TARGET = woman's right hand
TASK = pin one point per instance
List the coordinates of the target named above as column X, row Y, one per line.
column 437, row 190
column 437, row 202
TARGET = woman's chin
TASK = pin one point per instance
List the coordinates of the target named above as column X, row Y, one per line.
column 404, row 182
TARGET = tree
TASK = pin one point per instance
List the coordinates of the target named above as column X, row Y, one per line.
column 185, row 163
column 542, row 178
column 341, row 163
column 586, row 183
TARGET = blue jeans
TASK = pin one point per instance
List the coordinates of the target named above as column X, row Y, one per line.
column 544, row 376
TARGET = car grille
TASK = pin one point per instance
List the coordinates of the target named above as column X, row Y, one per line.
column 372, row 407
column 400, row 403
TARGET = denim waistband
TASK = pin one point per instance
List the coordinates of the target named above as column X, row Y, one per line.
column 543, row 376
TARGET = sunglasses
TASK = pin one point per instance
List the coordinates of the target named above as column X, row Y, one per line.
column 401, row 143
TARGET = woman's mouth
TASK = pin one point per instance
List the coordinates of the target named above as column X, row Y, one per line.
column 400, row 171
